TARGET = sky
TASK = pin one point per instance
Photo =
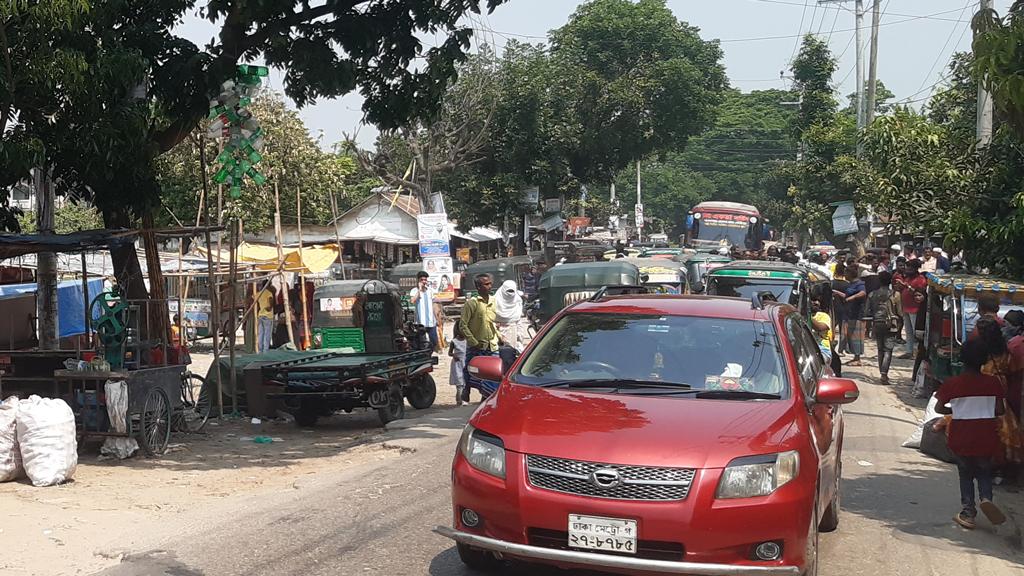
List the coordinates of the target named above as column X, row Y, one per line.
column 759, row 38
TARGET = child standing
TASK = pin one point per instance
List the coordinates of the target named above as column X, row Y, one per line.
column 457, row 351
column 975, row 401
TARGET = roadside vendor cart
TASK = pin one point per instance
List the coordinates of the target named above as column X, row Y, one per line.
column 952, row 312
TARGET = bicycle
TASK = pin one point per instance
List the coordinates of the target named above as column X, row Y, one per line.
column 196, row 404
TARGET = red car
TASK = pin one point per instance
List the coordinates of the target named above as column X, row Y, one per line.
column 656, row 435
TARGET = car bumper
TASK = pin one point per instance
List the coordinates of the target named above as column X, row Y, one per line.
column 594, row 560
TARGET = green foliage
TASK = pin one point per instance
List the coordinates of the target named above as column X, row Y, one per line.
column 812, row 71
column 630, row 79
column 999, row 60
column 293, row 161
column 72, row 216
column 882, row 97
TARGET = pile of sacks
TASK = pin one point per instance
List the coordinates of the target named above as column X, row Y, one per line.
column 37, row 438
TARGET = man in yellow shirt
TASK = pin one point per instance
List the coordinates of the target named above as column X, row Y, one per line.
column 265, row 314
column 477, row 324
column 822, row 328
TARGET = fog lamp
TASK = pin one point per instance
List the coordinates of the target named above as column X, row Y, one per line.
column 470, row 518
column 765, row 550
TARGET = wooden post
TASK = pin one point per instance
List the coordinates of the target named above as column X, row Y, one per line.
column 85, row 304
column 302, row 274
column 337, row 236
column 214, row 319
column 233, row 318
column 280, row 266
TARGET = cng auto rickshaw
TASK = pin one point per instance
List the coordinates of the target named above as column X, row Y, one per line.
column 662, row 276
column 952, row 305
column 568, row 284
column 365, row 315
column 788, row 283
column 698, row 266
column 499, row 269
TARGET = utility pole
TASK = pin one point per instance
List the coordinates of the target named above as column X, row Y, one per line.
column 639, row 207
column 876, row 19
column 861, row 102
column 984, row 101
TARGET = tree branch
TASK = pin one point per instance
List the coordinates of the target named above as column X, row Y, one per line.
column 5, row 113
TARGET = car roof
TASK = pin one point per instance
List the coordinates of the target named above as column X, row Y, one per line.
column 675, row 305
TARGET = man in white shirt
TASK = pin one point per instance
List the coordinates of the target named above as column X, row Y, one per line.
column 422, row 296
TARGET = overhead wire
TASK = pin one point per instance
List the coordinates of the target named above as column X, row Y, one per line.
column 840, row 8
column 938, row 56
column 799, row 30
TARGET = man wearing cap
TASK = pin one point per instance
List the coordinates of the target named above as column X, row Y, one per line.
column 942, row 263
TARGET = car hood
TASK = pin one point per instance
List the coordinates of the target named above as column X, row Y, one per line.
column 635, row 430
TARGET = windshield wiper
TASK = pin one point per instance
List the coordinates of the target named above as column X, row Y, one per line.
column 628, row 383
column 735, row 395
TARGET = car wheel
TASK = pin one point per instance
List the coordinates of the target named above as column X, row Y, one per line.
column 811, row 553
column 830, row 521
column 478, row 559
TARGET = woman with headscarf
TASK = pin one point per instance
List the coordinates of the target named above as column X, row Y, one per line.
column 508, row 314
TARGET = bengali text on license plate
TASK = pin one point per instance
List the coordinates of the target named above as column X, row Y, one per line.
column 605, row 534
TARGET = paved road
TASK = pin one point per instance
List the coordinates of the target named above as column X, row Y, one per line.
column 376, row 519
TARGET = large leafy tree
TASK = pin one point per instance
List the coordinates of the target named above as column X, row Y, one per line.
column 629, row 80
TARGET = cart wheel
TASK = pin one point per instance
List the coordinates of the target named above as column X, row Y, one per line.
column 395, row 410
column 422, row 392
column 307, row 414
column 196, row 403
column 155, row 423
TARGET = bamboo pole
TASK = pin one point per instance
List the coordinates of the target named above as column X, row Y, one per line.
column 233, row 318
column 214, row 320
column 302, row 274
column 337, row 235
column 280, row 265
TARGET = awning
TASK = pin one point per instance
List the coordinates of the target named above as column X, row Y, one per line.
column 12, row 245
column 374, row 232
column 477, row 234
column 551, row 223
column 313, row 260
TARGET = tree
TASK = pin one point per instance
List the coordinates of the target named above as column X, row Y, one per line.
column 293, row 160
column 812, row 72
column 882, row 97
column 629, row 79
column 71, row 216
column 997, row 63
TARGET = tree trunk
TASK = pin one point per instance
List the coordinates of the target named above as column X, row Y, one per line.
column 127, row 269
column 157, row 309
column 46, row 265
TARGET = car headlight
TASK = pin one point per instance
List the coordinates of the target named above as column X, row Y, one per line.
column 758, row 475
column 483, row 451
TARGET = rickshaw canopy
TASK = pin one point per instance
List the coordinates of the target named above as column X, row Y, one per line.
column 567, row 284
column 973, row 287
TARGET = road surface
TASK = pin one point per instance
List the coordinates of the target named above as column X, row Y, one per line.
column 377, row 519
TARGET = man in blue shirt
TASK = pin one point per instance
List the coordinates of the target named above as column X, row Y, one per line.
column 422, row 296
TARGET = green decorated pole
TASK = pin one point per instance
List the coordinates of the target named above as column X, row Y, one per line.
column 234, row 124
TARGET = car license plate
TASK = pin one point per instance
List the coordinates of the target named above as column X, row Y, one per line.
column 605, row 534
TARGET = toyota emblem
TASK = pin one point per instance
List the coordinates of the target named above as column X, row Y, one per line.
column 606, row 478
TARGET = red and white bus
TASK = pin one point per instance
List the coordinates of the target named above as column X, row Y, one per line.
column 713, row 225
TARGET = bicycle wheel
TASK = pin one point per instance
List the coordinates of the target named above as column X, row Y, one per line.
column 196, row 403
column 155, row 423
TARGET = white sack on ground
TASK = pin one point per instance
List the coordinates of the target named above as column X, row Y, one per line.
column 47, row 438
column 929, row 414
column 117, row 410
column 10, row 456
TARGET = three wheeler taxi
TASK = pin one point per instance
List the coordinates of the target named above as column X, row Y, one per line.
column 567, row 284
column 662, row 276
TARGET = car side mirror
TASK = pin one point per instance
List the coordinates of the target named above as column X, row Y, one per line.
column 835, row 391
column 486, row 368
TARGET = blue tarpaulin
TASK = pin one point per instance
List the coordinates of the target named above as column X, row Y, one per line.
column 70, row 307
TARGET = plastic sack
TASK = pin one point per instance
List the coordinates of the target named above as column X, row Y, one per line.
column 933, row 442
column 117, row 410
column 10, row 456
column 47, row 438
column 914, row 441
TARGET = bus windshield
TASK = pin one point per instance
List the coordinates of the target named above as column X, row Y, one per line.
column 718, row 234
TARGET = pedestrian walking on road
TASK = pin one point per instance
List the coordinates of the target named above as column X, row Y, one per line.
column 456, row 373
column 839, row 285
column 478, row 326
column 422, row 296
column 885, row 309
column 975, row 401
column 855, row 298
column 912, row 286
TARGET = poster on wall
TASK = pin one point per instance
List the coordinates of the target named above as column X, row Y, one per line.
column 433, row 234
column 443, row 278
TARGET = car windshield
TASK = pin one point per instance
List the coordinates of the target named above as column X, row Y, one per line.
column 664, row 354
column 784, row 291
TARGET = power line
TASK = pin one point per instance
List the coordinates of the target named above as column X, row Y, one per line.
column 938, row 55
column 799, row 30
column 839, row 8
column 835, row 22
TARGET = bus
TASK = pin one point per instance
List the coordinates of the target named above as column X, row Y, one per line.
column 714, row 225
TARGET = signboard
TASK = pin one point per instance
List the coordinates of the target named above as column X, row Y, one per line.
column 462, row 254
column 531, row 196
column 433, row 234
column 844, row 220
column 552, row 205
column 724, row 219
column 334, row 306
column 578, row 225
column 639, row 215
column 442, row 277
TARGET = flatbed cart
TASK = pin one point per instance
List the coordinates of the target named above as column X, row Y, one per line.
column 325, row 383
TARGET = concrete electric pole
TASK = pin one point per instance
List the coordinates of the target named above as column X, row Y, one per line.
column 984, row 102
column 873, row 65
column 861, row 102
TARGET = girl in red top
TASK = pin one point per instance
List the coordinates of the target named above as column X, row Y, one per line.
column 975, row 401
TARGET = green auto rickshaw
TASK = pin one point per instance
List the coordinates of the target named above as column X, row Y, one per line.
column 567, row 284
column 662, row 276
column 698, row 266
column 789, row 283
column 499, row 269
column 365, row 315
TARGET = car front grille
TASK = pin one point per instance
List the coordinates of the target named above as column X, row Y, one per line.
column 646, row 549
column 637, row 482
